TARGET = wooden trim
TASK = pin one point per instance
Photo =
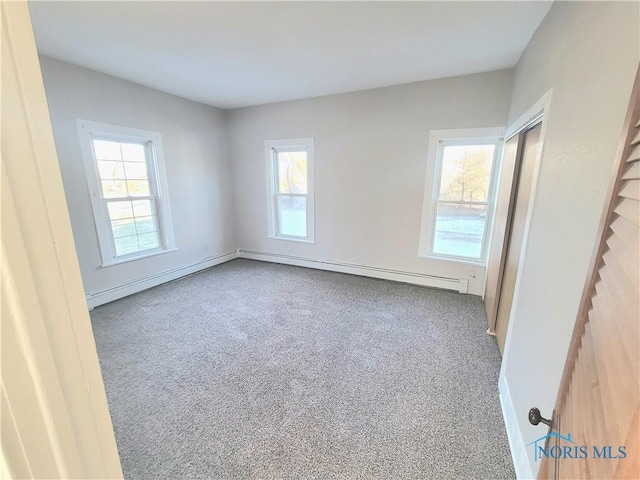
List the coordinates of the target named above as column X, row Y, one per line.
column 627, row 470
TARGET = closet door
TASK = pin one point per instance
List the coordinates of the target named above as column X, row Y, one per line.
column 501, row 224
column 518, row 164
column 530, row 140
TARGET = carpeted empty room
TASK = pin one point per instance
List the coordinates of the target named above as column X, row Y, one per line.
column 260, row 370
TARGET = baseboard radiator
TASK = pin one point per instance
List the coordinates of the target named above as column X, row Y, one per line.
column 99, row 298
column 457, row 284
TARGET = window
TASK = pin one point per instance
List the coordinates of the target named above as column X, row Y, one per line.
column 127, row 184
column 462, row 198
column 290, row 189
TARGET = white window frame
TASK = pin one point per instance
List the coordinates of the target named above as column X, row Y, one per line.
column 438, row 139
column 159, row 190
column 270, row 149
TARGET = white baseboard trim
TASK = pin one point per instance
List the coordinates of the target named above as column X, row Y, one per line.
column 458, row 284
column 514, row 434
column 135, row 286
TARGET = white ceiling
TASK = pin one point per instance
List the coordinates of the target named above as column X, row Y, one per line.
column 234, row 54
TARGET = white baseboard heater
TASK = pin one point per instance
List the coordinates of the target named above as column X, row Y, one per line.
column 457, row 284
column 99, row 298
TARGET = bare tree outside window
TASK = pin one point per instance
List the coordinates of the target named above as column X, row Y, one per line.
column 463, row 199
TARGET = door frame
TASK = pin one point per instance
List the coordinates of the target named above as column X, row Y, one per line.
column 521, row 181
column 55, row 421
column 537, row 113
column 541, row 108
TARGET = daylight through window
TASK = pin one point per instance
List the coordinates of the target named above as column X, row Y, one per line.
column 462, row 201
column 127, row 194
column 462, row 198
column 123, row 174
column 290, row 189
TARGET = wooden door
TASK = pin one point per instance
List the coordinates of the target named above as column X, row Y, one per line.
column 529, row 153
column 599, row 395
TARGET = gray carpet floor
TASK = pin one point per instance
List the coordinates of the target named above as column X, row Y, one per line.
column 252, row 370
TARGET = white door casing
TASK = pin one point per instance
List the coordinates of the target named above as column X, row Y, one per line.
column 55, row 418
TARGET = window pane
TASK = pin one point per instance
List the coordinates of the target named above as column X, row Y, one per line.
column 114, row 188
column 292, row 172
column 466, row 171
column 120, row 210
column 138, row 188
column 292, row 216
column 105, row 150
column 135, row 171
column 129, row 199
column 459, row 230
column 148, row 241
column 126, row 245
column 142, row 208
column 146, row 224
column 110, row 170
column 133, row 152
column 123, row 228
column 134, row 227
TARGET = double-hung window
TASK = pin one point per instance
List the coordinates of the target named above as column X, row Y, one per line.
column 128, row 189
column 457, row 220
column 289, row 165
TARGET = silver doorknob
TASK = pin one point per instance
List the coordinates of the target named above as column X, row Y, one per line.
column 535, row 417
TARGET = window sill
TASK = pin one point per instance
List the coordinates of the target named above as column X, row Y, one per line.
column 293, row 239
column 137, row 257
column 480, row 263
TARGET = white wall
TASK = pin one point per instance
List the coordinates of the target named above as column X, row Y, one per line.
column 194, row 141
column 588, row 53
column 370, row 166
column 370, row 151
